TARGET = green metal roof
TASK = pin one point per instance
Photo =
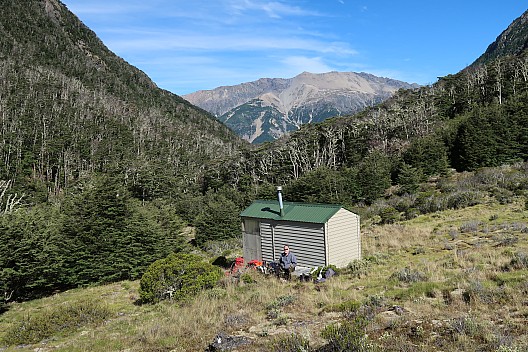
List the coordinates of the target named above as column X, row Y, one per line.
column 302, row 212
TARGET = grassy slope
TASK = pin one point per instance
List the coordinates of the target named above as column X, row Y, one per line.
column 465, row 301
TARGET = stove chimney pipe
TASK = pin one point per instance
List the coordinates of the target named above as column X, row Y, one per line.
column 279, row 196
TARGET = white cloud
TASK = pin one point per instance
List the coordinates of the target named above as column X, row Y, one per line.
column 310, row 64
column 148, row 40
column 104, row 8
column 274, row 9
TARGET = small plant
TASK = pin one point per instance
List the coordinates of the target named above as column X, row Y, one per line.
column 273, row 313
column 359, row 267
column 408, row 276
column 247, row 279
column 282, row 301
column 503, row 348
column 518, row 262
column 281, row 320
column 274, row 308
column 453, row 233
column 418, row 250
column 216, row 293
column 348, row 336
column 467, row 325
column 470, row 226
column 389, row 215
column 507, row 239
column 484, row 293
column 291, row 343
column 419, row 289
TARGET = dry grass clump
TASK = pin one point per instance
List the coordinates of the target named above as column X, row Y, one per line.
column 57, row 320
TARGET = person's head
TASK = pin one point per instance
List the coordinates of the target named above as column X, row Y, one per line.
column 286, row 249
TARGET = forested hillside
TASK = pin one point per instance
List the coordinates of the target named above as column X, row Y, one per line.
column 93, row 156
column 71, row 108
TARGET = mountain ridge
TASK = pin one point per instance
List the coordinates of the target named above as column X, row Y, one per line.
column 283, row 105
column 512, row 41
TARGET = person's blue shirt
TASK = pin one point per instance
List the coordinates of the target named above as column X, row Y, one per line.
column 287, row 259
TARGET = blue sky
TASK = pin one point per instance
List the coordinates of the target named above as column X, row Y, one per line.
column 190, row 45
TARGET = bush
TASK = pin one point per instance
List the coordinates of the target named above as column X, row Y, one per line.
column 359, row 267
column 347, row 336
column 389, row 215
column 463, row 199
column 470, row 226
column 291, row 343
column 177, row 277
column 282, row 301
column 274, row 309
column 518, row 262
column 407, row 275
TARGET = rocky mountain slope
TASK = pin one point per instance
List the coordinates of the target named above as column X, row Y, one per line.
column 512, row 41
column 268, row 108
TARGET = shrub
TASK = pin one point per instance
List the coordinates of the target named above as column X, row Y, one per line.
column 503, row 196
column 282, row 301
column 389, row 215
column 470, row 226
column 407, row 275
column 359, row 267
column 463, row 199
column 347, row 336
column 478, row 292
column 430, row 202
column 177, row 277
column 32, row 329
column 274, row 308
column 518, row 262
column 291, row 343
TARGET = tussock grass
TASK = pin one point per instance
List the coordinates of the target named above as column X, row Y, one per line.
column 423, row 284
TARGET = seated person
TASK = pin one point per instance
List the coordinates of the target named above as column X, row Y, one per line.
column 287, row 262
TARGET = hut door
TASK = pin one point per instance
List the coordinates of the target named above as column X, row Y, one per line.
column 252, row 243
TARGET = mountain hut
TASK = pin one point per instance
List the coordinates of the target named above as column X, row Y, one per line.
column 318, row 234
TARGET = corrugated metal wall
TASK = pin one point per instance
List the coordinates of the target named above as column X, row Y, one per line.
column 306, row 241
column 344, row 240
